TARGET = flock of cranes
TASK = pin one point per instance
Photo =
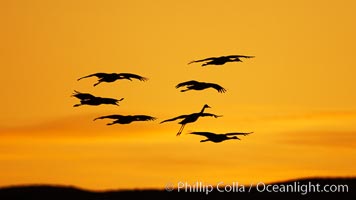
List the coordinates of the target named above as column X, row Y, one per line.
column 89, row 99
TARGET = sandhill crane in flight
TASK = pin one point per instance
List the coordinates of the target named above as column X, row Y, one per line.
column 111, row 77
column 191, row 118
column 195, row 85
column 122, row 119
column 89, row 99
column 221, row 60
column 213, row 137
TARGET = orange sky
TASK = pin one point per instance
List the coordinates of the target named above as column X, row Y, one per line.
column 297, row 95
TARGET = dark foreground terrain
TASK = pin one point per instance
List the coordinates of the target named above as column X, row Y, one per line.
column 304, row 191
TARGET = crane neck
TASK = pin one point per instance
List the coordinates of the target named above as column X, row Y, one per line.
column 202, row 110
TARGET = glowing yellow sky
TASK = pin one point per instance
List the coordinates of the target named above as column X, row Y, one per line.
column 297, row 94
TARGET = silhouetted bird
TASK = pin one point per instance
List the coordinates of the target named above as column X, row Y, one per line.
column 89, row 99
column 218, row 137
column 191, row 118
column 122, row 119
column 105, row 77
column 221, row 60
column 195, row 85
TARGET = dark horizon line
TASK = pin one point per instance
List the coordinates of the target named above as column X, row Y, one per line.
column 78, row 188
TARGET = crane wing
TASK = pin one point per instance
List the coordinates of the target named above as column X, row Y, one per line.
column 192, row 82
column 206, row 134
column 99, row 75
column 217, row 87
column 129, row 75
column 239, row 56
column 173, row 119
column 202, row 60
column 83, row 96
column 110, row 117
column 209, row 115
column 144, row 118
column 238, row 133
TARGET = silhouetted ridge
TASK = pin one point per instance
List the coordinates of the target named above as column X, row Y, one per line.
column 43, row 192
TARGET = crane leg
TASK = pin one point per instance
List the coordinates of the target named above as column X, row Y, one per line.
column 181, row 129
column 97, row 83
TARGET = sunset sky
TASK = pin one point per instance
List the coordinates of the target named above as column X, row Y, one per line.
column 297, row 95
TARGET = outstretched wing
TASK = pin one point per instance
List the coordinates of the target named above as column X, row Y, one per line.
column 238, row 133
column 144, row 118
column 82, row 96
column 173, row 119
column 129, row 75
column 209, row 115
column 239, row 56
column 217, row 87
column 186, row 83
column 206, row 134
column 110, row 117
column 202, row 60
column 99, row 75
